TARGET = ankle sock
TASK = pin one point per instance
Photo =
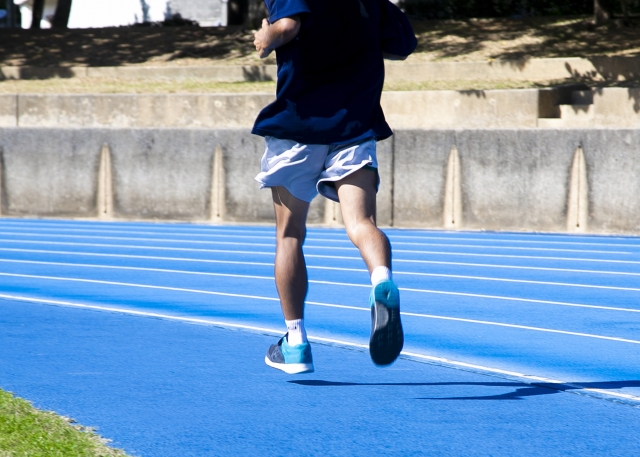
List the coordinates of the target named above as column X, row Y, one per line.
column 297, row 333
column 380, row 274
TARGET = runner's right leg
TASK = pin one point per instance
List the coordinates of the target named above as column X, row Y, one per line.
column 292, row 354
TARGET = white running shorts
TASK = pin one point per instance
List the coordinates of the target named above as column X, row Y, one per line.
column 308, row 169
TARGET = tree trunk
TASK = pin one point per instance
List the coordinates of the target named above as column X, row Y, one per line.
column 254, row 19
column 38, row 8
column 11, row 13
column 625, row 8
column 600, row 15
column 237, row 11
column 61, row 16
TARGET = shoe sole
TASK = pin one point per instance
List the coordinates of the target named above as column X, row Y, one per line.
column 291, row 368
column 387, row 337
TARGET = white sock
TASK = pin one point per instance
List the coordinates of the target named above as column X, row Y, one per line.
column 297, row 333
column 380, row 274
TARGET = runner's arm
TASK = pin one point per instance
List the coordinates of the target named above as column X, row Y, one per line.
column 389, row 56
column 272, row 36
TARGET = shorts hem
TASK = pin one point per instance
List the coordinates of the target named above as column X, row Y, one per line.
column 331, row 193
column 264, row 185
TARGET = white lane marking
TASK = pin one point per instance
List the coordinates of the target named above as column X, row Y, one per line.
column 120, row 267
column 526, row 281
column 143, row 286
column 257, row 297
column 525, row 300
column 408, row 354
column 474, row 246
column 212, row 230
column 605, row 242
column 130, row 246
column 454, row 254
column 437, row 275
column 174, row 240
column 131, row 238
column 141, row 257
column 428, row 262
column 519, row 267
column 270, row 265
column 527, row 257
column 270, row 236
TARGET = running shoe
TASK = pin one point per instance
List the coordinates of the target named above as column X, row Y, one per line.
column 387, row 338
column 290, row 359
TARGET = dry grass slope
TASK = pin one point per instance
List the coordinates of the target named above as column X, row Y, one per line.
column 474, row 39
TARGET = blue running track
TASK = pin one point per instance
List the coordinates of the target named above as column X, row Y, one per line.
column 155, row 334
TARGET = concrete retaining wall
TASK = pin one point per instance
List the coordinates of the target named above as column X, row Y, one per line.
column 525, row 108
column 616, row 107
column 595, row 68
column 493, row 179
column 462, row 109
column 404, row 110
column 129, row 111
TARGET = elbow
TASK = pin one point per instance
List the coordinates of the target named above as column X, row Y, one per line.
column 289, row 28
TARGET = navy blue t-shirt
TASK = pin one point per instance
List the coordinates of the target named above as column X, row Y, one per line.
column 330, row 76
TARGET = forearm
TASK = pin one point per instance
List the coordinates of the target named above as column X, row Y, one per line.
column 272, row 36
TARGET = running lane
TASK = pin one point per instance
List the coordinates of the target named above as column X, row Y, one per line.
column 525, row 307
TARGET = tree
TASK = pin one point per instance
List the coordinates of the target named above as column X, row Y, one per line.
column 248, row 13
column 61, row 16
column 236, row 13
column 600, row 14
column 11, row 13
column 38, row 8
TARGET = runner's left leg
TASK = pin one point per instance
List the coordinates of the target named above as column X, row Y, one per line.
column 357, row 194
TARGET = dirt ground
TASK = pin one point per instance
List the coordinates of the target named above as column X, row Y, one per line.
column 469, row 40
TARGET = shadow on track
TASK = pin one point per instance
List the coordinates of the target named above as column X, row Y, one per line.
column 521, row 391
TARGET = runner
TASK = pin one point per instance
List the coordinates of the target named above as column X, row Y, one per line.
column 320, row 137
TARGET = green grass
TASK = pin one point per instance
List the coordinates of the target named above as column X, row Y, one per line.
column 28, row 432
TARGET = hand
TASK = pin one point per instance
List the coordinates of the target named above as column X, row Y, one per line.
column 262, row 40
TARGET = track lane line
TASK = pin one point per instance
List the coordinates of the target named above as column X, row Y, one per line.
column 428, row 262
column 410, row 355
column 173, row 240
column 215, row 230
column 438, row 275
column 454, row 254
column 525, row 281
column 440, row 292
column 132, row 246
column 428, row 316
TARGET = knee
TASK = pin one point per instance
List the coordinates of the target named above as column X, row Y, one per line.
column 291, row 231
column 359, row 228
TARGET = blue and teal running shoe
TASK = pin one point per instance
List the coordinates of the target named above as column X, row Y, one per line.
column 290, row 359
column 387, row 337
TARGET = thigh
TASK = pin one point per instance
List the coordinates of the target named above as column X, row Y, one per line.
column 357, row 194
column 291, row 214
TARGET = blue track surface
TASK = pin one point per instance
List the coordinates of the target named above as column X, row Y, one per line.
column 516, row 344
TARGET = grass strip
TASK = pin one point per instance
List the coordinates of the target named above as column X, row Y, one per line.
column 200, row 86
column 129, row 86
column 26, row 432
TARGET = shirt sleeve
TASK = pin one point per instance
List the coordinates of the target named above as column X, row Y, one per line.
column 397, row 36
column 279, row 9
